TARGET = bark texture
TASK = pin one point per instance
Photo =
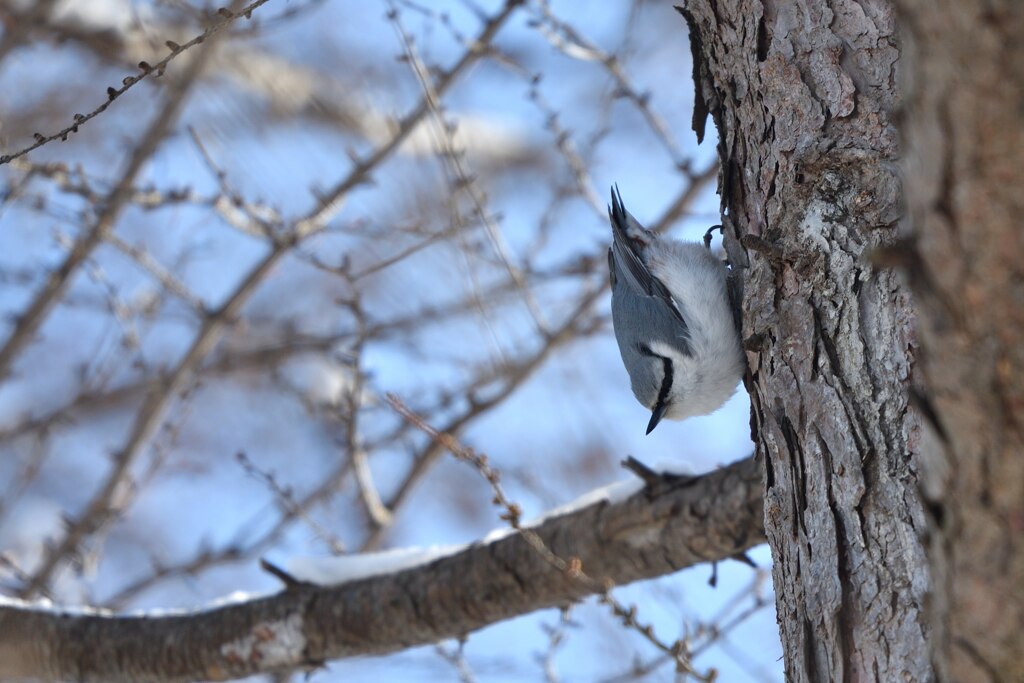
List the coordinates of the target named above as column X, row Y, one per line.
column 668, row 526
column 963, row 127
column 800, row 93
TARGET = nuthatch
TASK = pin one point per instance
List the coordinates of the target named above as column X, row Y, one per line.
column 672, row 320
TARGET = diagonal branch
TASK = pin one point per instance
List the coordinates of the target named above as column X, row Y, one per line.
column 662, row 529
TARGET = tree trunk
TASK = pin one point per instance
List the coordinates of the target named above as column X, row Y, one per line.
column 801, row 94
column 964, row 161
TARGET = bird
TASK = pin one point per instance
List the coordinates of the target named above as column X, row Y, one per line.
column 673, row 320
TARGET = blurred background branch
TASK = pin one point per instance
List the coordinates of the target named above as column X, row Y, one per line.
column 209, row 288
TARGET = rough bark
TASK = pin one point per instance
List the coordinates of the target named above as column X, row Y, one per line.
column 668, row 526
column 963, row 127
column 801, row 94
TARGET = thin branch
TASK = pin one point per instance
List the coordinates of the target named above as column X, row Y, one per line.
column 571, row 566
column 156, row 70
column 376, row 511
column 286, row 498
column 453, row 157
column 571, row 42
column 161, row 274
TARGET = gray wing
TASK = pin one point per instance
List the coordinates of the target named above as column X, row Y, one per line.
column 639, row 321
column 624, row 260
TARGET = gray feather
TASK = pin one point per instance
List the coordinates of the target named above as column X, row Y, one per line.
column 638, row 297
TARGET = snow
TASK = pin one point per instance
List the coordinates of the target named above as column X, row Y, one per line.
column 46, row 605
column 327, row 571
column 676, row 467
column 612, row 493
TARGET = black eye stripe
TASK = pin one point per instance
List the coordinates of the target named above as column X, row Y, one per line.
column 667, row 374
column 666, row 383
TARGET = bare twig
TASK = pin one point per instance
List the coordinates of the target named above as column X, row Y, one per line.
column 571, row 566
column 226, row 18
column 377, row 512
column 454, row 158
column 564, row 37
column 286, row 497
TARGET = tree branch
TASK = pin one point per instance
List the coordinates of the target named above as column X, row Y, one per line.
column 675, row 524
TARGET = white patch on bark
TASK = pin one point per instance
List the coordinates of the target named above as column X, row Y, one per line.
column 646, row 537
column 813, row 226
column 269, row 642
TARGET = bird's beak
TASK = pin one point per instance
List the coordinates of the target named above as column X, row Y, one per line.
column 656, row 415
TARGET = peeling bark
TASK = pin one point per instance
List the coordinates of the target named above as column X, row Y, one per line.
column 674, row 524
column 801, row 94
column 964, row 130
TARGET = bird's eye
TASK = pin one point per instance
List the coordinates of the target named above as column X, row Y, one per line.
column 645, row 350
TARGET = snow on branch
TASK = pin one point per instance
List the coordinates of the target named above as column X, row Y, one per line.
column 670, row 524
